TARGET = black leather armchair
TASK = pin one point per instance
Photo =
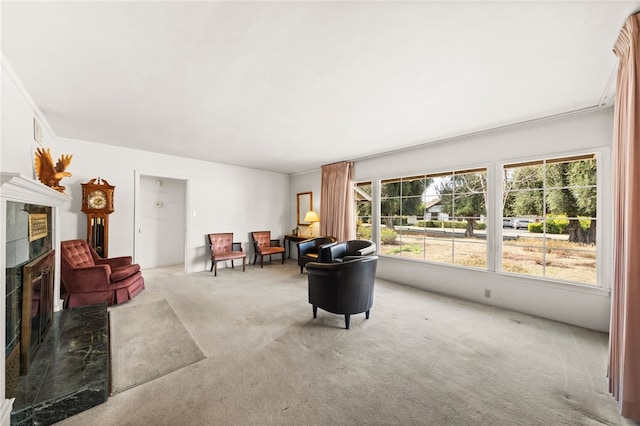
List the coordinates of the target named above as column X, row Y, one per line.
column 309, row 250
column 342, row 288
column 344, row 250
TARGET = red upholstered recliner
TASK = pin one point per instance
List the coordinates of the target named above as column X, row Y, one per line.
column 90, row 279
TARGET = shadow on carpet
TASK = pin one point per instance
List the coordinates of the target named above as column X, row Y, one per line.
column 148, row 341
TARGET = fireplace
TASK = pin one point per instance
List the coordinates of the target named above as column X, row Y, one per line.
column 70, row 371
column 30, row 283
column 29, row 235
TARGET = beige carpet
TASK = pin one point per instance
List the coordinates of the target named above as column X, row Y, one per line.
column 421, row 359
column 148, row 341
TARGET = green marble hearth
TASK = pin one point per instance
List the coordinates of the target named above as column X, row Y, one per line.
column 70, row 371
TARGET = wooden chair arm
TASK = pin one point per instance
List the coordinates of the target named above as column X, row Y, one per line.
column 275, row 243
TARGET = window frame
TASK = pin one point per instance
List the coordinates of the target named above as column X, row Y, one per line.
column 603, row 269
column 377, row 219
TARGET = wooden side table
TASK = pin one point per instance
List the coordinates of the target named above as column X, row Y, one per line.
column 287, row 242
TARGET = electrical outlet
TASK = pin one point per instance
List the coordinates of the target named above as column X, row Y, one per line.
column 487, row 293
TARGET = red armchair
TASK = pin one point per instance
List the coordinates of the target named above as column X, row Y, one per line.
column 223, row 248
column 263, row 246
column 89, row 279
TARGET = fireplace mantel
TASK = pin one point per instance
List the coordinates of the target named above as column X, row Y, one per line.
column 18, row 188
column 15, row 187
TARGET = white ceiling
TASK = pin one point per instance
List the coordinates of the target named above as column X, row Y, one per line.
column 289, row 86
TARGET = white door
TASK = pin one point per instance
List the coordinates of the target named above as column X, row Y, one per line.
column 161, row 231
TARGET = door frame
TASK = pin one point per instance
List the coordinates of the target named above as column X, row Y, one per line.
column 137, row 221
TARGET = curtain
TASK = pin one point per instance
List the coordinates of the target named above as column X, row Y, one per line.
column 336, row 201
column 624, row 331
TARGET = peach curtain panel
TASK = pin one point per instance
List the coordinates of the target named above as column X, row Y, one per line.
column 624, row 331
column 336, row 201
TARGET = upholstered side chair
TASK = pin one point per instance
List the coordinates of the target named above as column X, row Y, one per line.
column 263, row 246
column 223, row 248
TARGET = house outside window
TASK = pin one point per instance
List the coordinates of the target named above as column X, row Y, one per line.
column 436, row 217
column 363, row 197
column 550, row 219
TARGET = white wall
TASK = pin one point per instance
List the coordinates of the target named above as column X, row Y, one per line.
column 549, row 137
column 18, row 146
column 574, row 304
column 224, row 198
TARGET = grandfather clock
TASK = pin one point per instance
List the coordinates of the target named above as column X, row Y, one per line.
column 97, row 203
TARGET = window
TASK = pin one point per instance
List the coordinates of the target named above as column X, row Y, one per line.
column 438, row 217
column 363, row 196
column 549, row 219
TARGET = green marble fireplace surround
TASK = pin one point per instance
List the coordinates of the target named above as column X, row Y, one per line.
column 70, row 372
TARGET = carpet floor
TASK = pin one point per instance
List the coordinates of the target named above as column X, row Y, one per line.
column 147, row 342
column 421, row 358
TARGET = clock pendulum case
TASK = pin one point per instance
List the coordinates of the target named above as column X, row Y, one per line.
column 97, row 203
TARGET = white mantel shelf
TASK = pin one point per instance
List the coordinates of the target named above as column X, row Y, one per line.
column 14, row 186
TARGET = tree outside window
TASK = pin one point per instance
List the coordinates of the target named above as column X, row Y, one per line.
column 363, row 197
column 558, row 197
column 435, row 217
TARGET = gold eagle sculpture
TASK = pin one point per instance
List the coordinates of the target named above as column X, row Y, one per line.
column 49, row 174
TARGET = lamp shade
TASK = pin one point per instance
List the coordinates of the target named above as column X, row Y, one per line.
column 311, row 217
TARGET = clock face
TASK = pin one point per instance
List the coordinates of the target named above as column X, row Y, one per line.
column 97, row 200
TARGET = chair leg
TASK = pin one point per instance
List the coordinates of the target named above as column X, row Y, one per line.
column 215, row 268
column 315, row 311
column 243, row 262
column 212, row 263
column 367, row 314
column 261, row 261
column 301, row 269
column 283, row 258
column 231, row 263
column 255, row 257
column 347, row 318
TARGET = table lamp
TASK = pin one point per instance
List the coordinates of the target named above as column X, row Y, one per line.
column 311, row 217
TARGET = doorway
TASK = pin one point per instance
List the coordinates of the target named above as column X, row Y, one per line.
column 161, row 220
